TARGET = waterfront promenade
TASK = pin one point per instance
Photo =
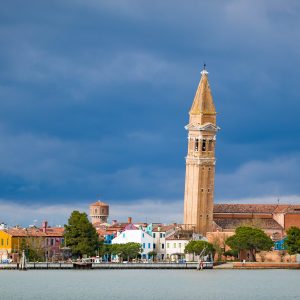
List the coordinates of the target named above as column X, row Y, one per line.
column 158, row 266
column 66, row 266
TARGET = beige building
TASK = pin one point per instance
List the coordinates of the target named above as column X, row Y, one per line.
column 159, row 234
column 99, row 212
column 200, row 160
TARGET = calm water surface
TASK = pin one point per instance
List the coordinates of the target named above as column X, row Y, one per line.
column 150, row 284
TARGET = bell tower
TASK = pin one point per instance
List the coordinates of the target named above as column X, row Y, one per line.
column 200, row 160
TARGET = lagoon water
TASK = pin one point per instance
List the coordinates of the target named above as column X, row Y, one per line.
column 150, row 284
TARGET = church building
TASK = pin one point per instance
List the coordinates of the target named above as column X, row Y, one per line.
column 201, row 215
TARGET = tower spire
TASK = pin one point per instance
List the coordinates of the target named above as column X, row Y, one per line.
column 203, row 107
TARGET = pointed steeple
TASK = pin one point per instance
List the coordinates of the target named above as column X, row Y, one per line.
column 203, row 108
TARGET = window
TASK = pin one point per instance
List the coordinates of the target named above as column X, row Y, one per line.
column 179, row 245
column 144, row 246
column 154, row 235
column 164, row 235
column 154, row 246
column 123, row 235
column 174, row 245
column 204, row 145
column 196, row 145
column 149, row 245
column 162, row 246
column 7, row 242
column 2, row 242
column 143, row 235
column 168, row 245
column 160, row 235
column 208, row 190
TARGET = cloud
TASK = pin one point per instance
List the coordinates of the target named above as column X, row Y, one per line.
column 94, row 96
column 278, row 176
column 143, row 210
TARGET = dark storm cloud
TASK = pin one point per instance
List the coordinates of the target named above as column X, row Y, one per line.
column 94, row 96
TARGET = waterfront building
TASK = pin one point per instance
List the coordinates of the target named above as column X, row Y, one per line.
column 45, row 240
column 200, row 213
column 132, row 234
column 99, row 212
column 159, row 234
column 274, row 219
column 175, row 245
column 200, row 160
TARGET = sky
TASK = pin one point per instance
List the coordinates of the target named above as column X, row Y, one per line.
column 94, row 97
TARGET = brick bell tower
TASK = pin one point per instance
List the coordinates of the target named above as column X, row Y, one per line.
column 200, row 160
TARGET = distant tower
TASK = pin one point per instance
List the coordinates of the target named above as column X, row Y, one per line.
column 200, row 160
column 99, row 212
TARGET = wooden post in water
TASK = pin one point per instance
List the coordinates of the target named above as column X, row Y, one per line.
column 23, row 263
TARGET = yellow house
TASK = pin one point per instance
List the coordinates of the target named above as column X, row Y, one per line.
column 5, row 241
column 5, row 244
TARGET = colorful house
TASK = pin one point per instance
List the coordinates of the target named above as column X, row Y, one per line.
column 45, row 240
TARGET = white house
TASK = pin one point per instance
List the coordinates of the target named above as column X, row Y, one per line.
column 175, row 245
column 134, row 235
column 159, row 234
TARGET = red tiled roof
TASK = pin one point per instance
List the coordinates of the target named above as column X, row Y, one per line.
column 233, row 223
column 256, row 208
column 244, row 208
column 36, row 232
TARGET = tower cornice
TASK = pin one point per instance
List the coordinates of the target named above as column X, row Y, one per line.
column 206, row 127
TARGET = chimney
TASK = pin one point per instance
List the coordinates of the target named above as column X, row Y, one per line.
column 129, row 220
column 44, row 226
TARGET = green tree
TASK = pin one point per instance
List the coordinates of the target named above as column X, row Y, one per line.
column 251, row 239
column 132, row 250
column 292, row 241
column 80, row 235
column 196, row 248
column 126, row 251
column 231, row 252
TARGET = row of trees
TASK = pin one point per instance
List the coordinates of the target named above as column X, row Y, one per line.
column 82, row 238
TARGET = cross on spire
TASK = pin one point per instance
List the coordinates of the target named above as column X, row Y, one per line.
column 204, row 72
